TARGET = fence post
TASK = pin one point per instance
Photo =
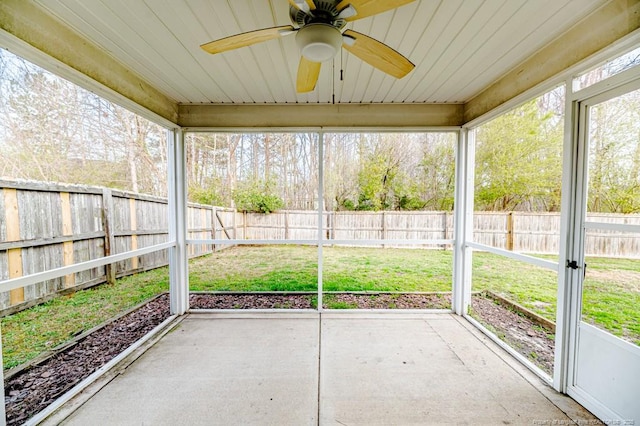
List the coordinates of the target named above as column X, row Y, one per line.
column 12, row 215
column 384, row 227
column 234, row 223
column 133, row 220
column 333, row 225
column 109, row 239
column 67, row 230
column 214, row 227
column 286, row 225
column 445, row 219
column 510, row 231
column 204, row 233
column 244, row 225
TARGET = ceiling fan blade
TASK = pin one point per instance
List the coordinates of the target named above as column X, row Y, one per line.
column 246, row 39
column 366, row 8
column 303, row 5
column 308, row 72
column 377, row 54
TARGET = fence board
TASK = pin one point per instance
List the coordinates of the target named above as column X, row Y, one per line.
column 86, row 213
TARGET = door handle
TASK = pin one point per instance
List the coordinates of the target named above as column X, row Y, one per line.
column 574, row 265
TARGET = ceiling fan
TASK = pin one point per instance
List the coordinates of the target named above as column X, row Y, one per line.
column 319, row 28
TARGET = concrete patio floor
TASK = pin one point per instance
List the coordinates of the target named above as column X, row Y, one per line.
column 334, row 368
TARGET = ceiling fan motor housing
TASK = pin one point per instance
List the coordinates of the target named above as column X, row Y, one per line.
column 325, row 12
column 319, row 42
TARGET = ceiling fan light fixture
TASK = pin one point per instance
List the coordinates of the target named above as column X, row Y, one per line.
column 347, row 12
column 319, row 42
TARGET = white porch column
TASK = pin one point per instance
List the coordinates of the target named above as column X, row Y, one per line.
column 176, row 184
column 463, row 221
column 320, row 214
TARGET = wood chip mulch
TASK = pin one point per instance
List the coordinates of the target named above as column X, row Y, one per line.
column 393, row 301
column 250, row 301
column 33, row 389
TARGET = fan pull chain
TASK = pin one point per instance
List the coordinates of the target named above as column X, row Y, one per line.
column 333, row 82
column 334, row 76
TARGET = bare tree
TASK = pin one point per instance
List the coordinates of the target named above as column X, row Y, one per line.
column 52, row 130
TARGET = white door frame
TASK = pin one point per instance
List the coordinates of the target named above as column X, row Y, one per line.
column 568, row 358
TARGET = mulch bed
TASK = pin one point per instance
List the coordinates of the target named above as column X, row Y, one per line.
column 250, row 301
column 524, row 335
column 34, row 388
column 393, row 301
column 304, row 301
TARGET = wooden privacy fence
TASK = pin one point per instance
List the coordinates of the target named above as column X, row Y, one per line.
column 46, row 226
column 526, row 232
column 523, row 232
column 303, row 225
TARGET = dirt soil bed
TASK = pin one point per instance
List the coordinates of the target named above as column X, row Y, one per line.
column 31, row 390
column 390, row 301
column 533, row 341
column 306, row 301
column 251, row 301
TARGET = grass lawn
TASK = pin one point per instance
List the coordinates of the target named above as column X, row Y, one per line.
column 612, row 296
column 530, row 286
column 295, row 268
column 29, row 333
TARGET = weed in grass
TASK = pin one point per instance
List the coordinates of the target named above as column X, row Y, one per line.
column 337, row 304
column 330, row 302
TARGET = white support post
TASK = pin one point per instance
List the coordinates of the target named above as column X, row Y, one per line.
column 320, row 213
column 463, row 221
column 458, row 229
column 566, row 293
column 178, row 272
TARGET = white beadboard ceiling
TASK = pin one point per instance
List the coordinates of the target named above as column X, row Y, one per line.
column 459, row 47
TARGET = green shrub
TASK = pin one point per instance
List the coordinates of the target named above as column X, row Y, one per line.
column 257, row 196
